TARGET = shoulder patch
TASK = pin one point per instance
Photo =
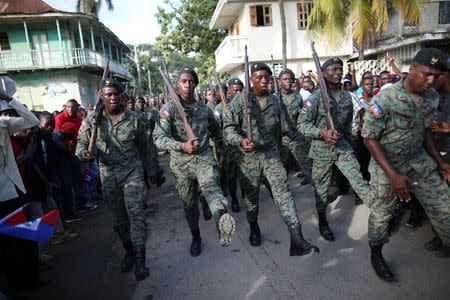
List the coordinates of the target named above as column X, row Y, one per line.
column 308, row 103
column 376, row 110
column 217, row 114
column 166, row 113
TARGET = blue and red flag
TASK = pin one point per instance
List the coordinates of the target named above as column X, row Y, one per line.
column 40, row 230
column 376, row 110
column 89, row 175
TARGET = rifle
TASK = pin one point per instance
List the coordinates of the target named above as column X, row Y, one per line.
column 323, row 90
column 222, row 92
column 278, row 93
column 211, row 88
column 157, row 102
column 248, row 98
column 97, row 116
column 196, row 95
column 187, row 127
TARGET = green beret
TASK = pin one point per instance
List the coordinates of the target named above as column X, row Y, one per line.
column 191, row 71
column 287, row 71
column 224, row 86
column 332, row 61
column 235, row 81
column 432, row 57
column 258, row 66
column 111, row 82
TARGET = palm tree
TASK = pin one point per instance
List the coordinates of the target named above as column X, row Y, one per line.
column 283, row 33
column 92, row 7
column 365, row 19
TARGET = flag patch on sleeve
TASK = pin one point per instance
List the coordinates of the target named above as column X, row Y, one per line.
column 166, row 113
column 217, row 114
column 308, row 104
column 376, row 110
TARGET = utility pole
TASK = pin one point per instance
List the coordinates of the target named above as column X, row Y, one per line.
column 136, row 59
column 149, row 84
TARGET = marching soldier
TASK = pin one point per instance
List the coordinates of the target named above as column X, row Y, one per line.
column 194, row 166
column 124, row 153
column 331, row 146
column 261, row 157
column 397, row 132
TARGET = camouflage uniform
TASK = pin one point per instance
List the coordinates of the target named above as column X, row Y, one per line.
column 399, row 126
column 295, row 144
column 197, row 172
column 324, row 155
column 123, row 150
column 265, row 159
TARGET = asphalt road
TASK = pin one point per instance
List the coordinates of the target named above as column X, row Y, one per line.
column 88, row 268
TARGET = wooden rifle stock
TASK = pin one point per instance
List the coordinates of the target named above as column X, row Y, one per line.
column 97, row 116
column 323, row 90
column 248, row 98
column 278, row 94
column 222, row 92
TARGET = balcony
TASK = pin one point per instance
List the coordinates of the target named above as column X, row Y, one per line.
column 54, row 59
column 230, row 53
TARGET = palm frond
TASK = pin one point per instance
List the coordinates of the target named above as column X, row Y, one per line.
column 361, row 22
column 380, row 13
column 410, row 10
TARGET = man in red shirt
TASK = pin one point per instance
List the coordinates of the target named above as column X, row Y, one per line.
column 70, row 116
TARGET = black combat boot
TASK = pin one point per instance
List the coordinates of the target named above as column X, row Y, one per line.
column 255, row 234
column 379, row 264
column 298, row 244
column 196, row 245
column 324, row 229
column 207, row 215
column 129, row 258
column 433, row 244
column 141, row 271
column 235, row 204
column 225, row 225
column 358, row 200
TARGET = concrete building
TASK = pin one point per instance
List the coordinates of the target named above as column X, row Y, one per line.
column 257, row 24
column 55, row 55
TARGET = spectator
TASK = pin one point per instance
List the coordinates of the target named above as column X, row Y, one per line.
column 296, row 86
column 307, row 89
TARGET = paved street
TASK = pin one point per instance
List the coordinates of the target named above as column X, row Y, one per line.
column 88, row 268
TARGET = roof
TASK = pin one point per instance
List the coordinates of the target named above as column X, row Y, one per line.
column 25, row 7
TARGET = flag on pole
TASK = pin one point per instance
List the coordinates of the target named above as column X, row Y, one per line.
column 40, row 230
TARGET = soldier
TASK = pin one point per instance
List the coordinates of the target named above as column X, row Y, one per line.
column 262, row 157
column 397, row 131
column 331, row 146
column 123, row 155
column 192, row 160
column 271, row 85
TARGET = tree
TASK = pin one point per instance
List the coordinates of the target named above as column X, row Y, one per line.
column 364, row 18
column 283, row 33
column 92, row 7
column 184, row 27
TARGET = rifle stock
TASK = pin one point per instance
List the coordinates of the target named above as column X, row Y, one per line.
column 248, row 98
column 97, row 116
column 278, row 93
column 323, row 89
column 222, row 92
column 211, row 88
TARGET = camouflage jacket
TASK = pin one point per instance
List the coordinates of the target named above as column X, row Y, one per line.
column 398, row 123
column 312, row 119
column 212, row 104
column 169, row 132
column 122, row 147
column 292, row 109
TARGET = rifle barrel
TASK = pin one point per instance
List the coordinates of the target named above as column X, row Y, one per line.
column 222, row 92
column 248, row 98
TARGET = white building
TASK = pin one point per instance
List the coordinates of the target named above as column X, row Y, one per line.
column 257, row 24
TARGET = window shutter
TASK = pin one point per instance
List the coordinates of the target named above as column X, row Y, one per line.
column 253, row 18
column 267, row 15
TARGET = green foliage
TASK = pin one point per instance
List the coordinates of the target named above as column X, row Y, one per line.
column 184, row 28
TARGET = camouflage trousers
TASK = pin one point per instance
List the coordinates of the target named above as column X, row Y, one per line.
column 349, row 166
column 299, row 149
column 432, row 192
column 198, row 175
column 126, row 198
column 253, row 167
column 231, row 168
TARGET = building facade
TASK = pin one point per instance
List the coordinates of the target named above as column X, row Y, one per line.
column 55, row 56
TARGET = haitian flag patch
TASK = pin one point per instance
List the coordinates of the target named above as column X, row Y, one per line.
column 217, row 114
column 376, row 110
column 308, row 104
column 166, row 113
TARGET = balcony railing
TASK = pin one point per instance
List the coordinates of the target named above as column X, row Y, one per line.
column 230, row 52
column 46, row 59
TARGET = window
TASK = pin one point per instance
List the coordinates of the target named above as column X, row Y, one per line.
column 4, row 41
column 303, row 14
column 260, row 15
column 444, row 12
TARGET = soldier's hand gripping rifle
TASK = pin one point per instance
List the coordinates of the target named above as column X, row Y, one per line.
column 323, row 90
column 176, row 101
column 248, row 98
column 211, row 88
column 97, row 118
column 278, row 94
column 222, row 92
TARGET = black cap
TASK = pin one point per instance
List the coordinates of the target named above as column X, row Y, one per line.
column 235, row 81
column 331, row 61
column 224, row 86
column 111, row 82
column 287, row 71
column 433, row 58
column 191, row 71
column 258, row 66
